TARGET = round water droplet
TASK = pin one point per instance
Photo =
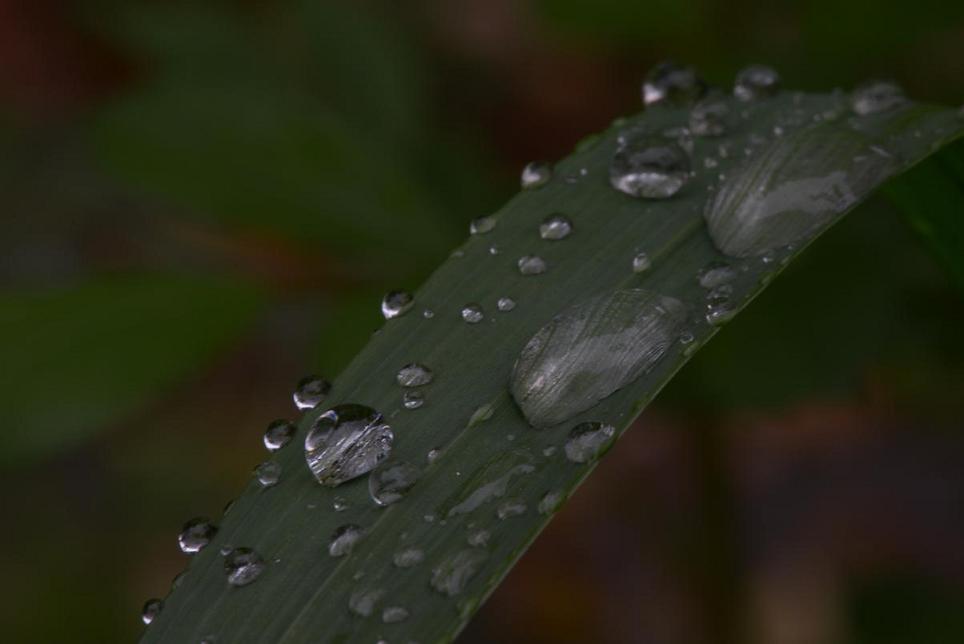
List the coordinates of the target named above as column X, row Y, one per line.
column 343, row 539
column 588, row 440
column 756, row 82
column 433, row 455
column 278, row 434
column 408, row 557
column 531, row 265
column 396, row 303
column 877, row 96
column 716, row 274
column 472, row 313
column 345, row 442
column 152, row 608
column 414, row 375
column 672, row 83
column 511, row 508
column 428, row 314
column 506, row 304
column 310, row 391
column 709, row 117
column 551, row 501
column 413, row 399
column 555, row 227
column 479, row 538
column 454, row 572
column 481, row 225
column 389, row 483
column 535, row 175
column 195, row 535
column 268, row 473
column 394, row 614
column 494, row 250
column 641, row 263
column 242, row 566
column 340, row 504
column 649, row 167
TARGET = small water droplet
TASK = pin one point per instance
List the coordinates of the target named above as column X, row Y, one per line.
column 268, row 473
column 414, row 375
column 531, row 265
column 641, row 263
column 428, row 314
column 535, row 175
column 152, row 608
column 511, row 508
column 454, row 572
column 195, row 535
column 433, row 455
column 482, row 225
column 242, row 566
column 340, row 504
column 472, row 313
column 709, row 117
column 551, row 501
column 672, row 83
column 481, row 414
column 345, row 442
column 394, row 614
column 362, row 602
column 493, row 489
column 178, row 579
column 408, row 557
column 494, row 250
column 505, row 304
column 549, row 451
column 555, row 227
column 877, row 96
column 389, row 483
column 649, row 167
column 686, row 337
column 396, row 303
column 413, row 399
column 479, row 538
column 278, row 434
column 720, row 313
column 587, row 441
column 343, row 539
column 756, row 82
column 716, row 274
column 310, row 391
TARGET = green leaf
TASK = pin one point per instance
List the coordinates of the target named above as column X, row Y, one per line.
column 80, row 358
column 485, row 453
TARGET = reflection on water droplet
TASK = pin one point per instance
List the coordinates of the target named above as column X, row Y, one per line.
column 511, row 508
column 531, row 265
column 641, row 263
column 648, row 167
column 389, row 483
column 756, row 82
column 396, row 303
column 268, row 473
column 720, row 313
column 716, row 274
column 433, row 455
column 535, row 175
column 310, row 391
column 414, row 375
column 481, row 225
column 152, row 608
column 394, row 614
column 481, row 414
column 362, row 602
column 877, row 96
column 343, row 539
column 472, row 313
column 347, row 441
column 242, row 566
column 195, row 535
column 340, row 504
column 591, row 350
column 278, row 434
column 709, row 117
column 454, row 572
column 428, row 314
column 506, row 304
column 479, row 538
column 587, row 441
column 555, row 227
column 408, row 557
column 672, row 83
column 413, row 399
column 551, row 501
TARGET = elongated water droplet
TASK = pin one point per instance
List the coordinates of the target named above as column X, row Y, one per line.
column 413, row 399
column 511, row 508
column 716, row 274
column 394, row 614
column 479, row 538
column 877, row 96
column 555, row 227
column 587, row 441
column 641, row 263
column 242, row 566
column 408, row 557
column 472, row 313
column 195, row 535
column 481, row 414
column 535, row 175
column 506, row 304
column 310, row 391
column 454, row 572
column 414, row 375
column 481, row 225
column 343, row 539
column 720, row 313
column 756, row 82
column 362, row 602
column 672, row 83
column 551, row 501
column 396, row 303
column 649, row 167
column 152, row 608
column 532, row 265
column 268, row 473
column 389, row 483
column 591, row 350
column 347, row 441
column 492, row 489
column 709, row 117
column 278, row 434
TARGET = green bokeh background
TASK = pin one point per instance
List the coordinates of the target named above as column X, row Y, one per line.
column 203, row 202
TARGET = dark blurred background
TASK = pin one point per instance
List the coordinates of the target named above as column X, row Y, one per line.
column 204, row 201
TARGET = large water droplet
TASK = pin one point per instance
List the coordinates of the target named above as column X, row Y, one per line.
column 195, row 535
column 343, row 539
column 649, row 167
column 242, row 566
column 408, row 557
column 709, row 117
column 396, row 303
column 394, row 614
column 414, row 375
column 756, row 82
column 555, row 227
column 347, row 441
column 511, row 508
column 505, row 304
column 152, row 608
column 362, row 602
column 278, row 434
column 535, row 175
column 532, row 265
column 310, row 391
column 877, row 96
column 591, row 350
column 268, row 473
column 389, row 483
column 587, row 441
column 454, row 572
column 481, row 225
column 472, row 313
column 672, row 83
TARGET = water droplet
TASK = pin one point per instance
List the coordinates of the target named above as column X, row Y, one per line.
column 481, row 225
column 587, row 441
column 511, row 508
column 428, row 314
column 362, row 602
column 641, row 263
column 152, row 608
column 535, row 175
column 591, row 350
column 310, row 391
column 195, row 535
column 709, row 117
column 649, row 167
column 394, row 614
column 408, row 557
column 716, row 274
column 345, row 442
column 414, row 375
column 686, row 337
column 242, row 566
column 551, row 501
column 278, row 434
column 343, row 539
column 549, row 451
column 413, row 399
column 672, row 83
column 531, row 265
column 268, row 473
column 396, row 303
column 481, row 414
column 479, row 538
column 389, row 483
column 877, row 96
column 472, row 313
column 756, row 82
column 555, row 227
column 340, row 504
column 493, row 489
column 720, row 313
column 454, row 572
column 433, row 455
column 505, row 304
